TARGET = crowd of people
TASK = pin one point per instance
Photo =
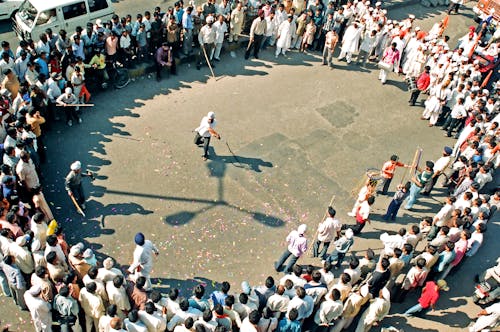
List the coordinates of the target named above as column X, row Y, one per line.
column 67, row 285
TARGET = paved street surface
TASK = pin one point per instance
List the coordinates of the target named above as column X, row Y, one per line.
column 300, row 133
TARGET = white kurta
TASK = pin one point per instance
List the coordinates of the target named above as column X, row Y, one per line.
column 351, row 40
column 40, row 312
column 285, row 35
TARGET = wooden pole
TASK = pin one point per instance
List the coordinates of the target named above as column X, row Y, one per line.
column 324, row 217
column 78, row 208
column 75, row 105
column 208, row 61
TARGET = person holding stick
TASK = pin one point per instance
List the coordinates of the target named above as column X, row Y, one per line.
column 328, row 230
column 68, row 100
column 418, row 183
column 206, row 37
column 204, row 132
column 387, row 173
column 257, row 30
column 73, row 183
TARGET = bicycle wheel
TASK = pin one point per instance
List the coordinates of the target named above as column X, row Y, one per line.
column 122, row 78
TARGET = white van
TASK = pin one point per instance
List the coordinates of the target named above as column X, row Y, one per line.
column 35, row 16
column 8, row 8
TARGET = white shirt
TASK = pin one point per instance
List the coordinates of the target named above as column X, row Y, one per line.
column 328, row 312
column 220, row 30
column 204, row 126
column 154, row 322
column 134, row 327
column 328, row 229
column 143, row 257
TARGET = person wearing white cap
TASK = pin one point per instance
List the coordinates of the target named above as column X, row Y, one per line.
column 40, row 309
column 297, row 246
column 206, row 38
column 284, row 36
column 342, row 246
column 66, row 100
column 454, row 6
column 376, row 312
column 73, row 183
column 204, row 132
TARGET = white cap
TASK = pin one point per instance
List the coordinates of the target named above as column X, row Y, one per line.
column 364, row 290
column 417, row 29
column 68, row 90
column 386, row 294
column 411, row 16
column 76, row 166
column 476, row 62
column 302, row 229
column 486, row 92
column 210, row 19
column 98, row 22
column 349, row 233
column 35, row 290
column 211, row 115
column 378, row 4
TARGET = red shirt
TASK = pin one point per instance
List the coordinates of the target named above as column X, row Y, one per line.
column 424, row 81
column 389, row 168
column 430, row 294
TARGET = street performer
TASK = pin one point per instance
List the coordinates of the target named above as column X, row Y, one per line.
column 73, row 183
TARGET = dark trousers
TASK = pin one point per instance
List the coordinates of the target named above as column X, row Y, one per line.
column 358, row 227
column 71, row 113
column 198, row 140
column 201, row 56
column 257, row 42
column 384, row 185
column 454, row 123
column 322, row 254
column 336, row 256
column 159, row 69
column 78, row 193
column 288, row 268
column 414, row 95
column 392, row 210
column 453, row 6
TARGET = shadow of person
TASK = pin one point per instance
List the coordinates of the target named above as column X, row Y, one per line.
column 96, row 210
column 251, row 164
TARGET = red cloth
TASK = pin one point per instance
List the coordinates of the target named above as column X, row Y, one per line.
column 359, row 218
column 430, row 294
column 424, row 81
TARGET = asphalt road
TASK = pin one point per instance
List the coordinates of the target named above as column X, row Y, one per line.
column 300, row 133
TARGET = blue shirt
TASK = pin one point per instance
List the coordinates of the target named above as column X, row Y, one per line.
column 187, row 21
column 218, row 298
column 178, row 15
column 44, row 67
column 287, row 325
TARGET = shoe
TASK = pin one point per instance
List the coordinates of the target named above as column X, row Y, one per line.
column 80, row 120
column 216, row 59
column 324, row 64
column 350, row 214
column 83, row 206
column 70, row 123
column 204, row 158
column 256, row 57
column 198, row 67
column 276, row 56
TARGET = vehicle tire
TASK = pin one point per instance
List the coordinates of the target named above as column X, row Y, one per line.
column 122, row 78
column 13, row 15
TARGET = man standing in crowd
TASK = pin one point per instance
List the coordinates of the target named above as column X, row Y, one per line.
column 143, row 259
column 296, row 247
column 257, row 31
column 206, row 38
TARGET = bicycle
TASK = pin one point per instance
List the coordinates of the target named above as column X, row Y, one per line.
column 117, row 75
